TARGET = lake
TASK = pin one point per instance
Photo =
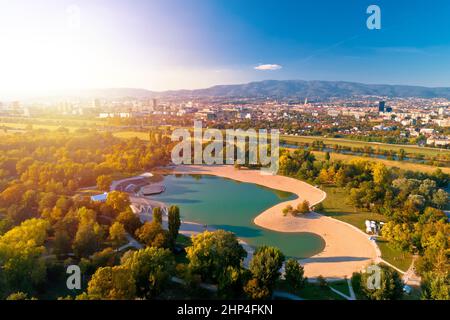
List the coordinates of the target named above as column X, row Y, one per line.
column 231, row 205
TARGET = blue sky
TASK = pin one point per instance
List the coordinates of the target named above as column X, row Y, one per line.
column 173, row 44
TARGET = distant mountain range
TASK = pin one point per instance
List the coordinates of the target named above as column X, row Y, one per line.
column 297, row 89
column 313, row 89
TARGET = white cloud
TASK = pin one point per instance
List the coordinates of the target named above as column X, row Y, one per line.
column 268, row 67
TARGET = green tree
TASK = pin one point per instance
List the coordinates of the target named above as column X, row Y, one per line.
column 231, row 283
column 380, row 173
column 436, row 286
column 265, row 267
column 151, row 269
column 440, row 199
column 153, row 235
column 104, row 182
column 18, row 296
column 89, row 234
column 112, row 283
column 174, row 223
column 130, row 221
column 303, row 207
column 157, row 215
column 390, row 286
column 256, row 291
column 212, row 252
column 22, row 266
column 294, row 274
column 62, row 244
column 117, row 234
column 117, row 200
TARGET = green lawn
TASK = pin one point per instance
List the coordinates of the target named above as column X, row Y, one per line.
column 360, row 144
column 311, row 291
column 398, row 258
column 404, row 165
column 336, row 206
column 341, row 286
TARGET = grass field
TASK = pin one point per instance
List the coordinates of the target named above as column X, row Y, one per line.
column 400, row 259
column 341, row 286
column 336, row 206
column 311, row 291
column 389, row 163
column 360, row 144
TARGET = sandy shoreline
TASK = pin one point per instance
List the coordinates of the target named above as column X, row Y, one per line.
column 347, row 249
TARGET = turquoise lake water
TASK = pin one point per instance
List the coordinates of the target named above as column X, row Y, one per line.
column 231, row 205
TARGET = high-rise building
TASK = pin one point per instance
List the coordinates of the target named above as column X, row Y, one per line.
column 154, row 104
column 381, row 106
column 96, row 103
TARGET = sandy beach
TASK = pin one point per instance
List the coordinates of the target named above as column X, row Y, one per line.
column 347, row 249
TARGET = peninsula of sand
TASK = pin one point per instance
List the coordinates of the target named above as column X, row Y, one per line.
column 347, row 249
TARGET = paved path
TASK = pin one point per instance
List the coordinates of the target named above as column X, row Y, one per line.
column 132, row 243
column 410, row 277
column 340, row 293
column 350, row 288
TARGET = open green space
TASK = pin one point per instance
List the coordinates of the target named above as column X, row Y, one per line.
column 310, row 291
column 388, row 163
column 336, row 206
column 398, row 258
column 361, row 144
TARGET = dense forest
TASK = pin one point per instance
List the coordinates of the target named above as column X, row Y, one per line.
column 44, row 223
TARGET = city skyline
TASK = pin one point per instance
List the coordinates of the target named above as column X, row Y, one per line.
column 53, row 46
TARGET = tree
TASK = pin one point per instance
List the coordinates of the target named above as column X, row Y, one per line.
column 380, row 173
column 303, row 207
column 294, row 274
column 151, row 269
column 153, row 235
column 62, row 244
column 117, row 234
column 398, row 234
column 18, row 296
column 89, row 234
column 212, row 252
column 231, row 283
column 104, row 182
column 112, row 283
column 436, row 286
column 440, row 199
column 22, row 265
column 130, row 221
column 319, row 207
column 390, row 286
column 265, row 267
column 327, row 156
column 117, row 200
column 157, row 215
column 174, row 223
column 288, row 210
column 256, row 291
column 340, row 178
